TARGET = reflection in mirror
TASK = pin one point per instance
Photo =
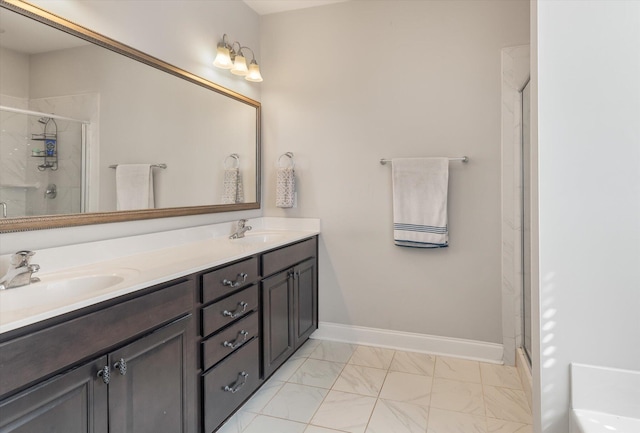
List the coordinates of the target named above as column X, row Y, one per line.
column 72, row 111
column 32, row 167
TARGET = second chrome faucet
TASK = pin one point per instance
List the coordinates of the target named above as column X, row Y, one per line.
column 241, row 228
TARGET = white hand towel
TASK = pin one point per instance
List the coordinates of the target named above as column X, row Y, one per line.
column 285, row 187
column 420, row 202
column 134, row 186
column 233, row 188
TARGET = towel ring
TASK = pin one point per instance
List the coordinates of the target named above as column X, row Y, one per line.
column 234, row 156
column 288, row 155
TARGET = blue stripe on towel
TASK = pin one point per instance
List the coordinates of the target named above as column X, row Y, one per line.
column 420, row 228
column 413, row 244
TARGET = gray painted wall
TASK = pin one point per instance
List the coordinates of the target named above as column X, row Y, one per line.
column 350, row 83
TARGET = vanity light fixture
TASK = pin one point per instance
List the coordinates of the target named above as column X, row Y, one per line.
column 230, row 56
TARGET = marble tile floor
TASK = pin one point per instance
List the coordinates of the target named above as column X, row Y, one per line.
column 329, row 387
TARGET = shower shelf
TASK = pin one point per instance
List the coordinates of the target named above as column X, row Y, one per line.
column 43, row 137
column 50, row 152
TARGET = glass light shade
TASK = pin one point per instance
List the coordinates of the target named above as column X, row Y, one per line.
column 223, row 58
column 254, row 73
column 240, row 66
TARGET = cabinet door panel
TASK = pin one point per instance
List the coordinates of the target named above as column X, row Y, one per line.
column 151, row 397
column 306, row 301
column 73, row 402
column 277, row 330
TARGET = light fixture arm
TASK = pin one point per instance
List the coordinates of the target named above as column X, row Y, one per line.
column 233, row 51
column 253, row 56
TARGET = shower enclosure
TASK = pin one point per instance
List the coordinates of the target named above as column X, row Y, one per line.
column 42, row 163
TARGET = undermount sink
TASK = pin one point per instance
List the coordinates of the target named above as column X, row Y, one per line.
column 259, row 238
column 61, row 287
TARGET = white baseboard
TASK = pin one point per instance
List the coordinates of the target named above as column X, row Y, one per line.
column 411, row 342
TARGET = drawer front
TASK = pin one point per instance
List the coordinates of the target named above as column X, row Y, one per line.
column 230, row 340
column 39, row 354
column 288, row 256
column 221, row 282
column 229, row 309
column 225, row 387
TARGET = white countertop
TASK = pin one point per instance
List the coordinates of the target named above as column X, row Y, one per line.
column 134, row 263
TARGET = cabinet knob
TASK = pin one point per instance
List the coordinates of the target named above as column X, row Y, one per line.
column 235, row 387
column 121, row 366
column 105, row 374
column 237, row 342
column 242, row 306
column 242, row 277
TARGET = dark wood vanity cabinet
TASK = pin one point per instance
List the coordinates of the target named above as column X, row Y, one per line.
column 140, row 378
column 179, row 357
column 289, row 301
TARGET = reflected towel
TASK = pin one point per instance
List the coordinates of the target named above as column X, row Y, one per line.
column 134, row 186
column 420, row 187
column 285, row 187
column 233, row 188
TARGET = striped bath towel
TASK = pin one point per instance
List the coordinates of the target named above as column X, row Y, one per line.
column 420, row 202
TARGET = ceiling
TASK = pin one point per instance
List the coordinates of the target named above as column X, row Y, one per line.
column 265, row 7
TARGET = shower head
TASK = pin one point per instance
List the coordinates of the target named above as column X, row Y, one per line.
column 44, row 120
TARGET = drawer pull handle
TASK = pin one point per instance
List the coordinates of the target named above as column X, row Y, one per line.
column 242, row 306
column 105, row 374
column 235, row 387
column 242, row 277
column 121, row 366
column 237, row 342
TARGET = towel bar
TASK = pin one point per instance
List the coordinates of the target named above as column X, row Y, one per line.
column 384, row 161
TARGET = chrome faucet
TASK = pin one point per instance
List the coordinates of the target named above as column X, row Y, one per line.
column 20, row 271
column 240, row 230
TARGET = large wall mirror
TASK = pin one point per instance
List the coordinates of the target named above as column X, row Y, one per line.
column 75, row 106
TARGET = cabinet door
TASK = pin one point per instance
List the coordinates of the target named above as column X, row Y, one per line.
column 148, row 392
column 73, row 402
column 277, row 328
column 305, row 298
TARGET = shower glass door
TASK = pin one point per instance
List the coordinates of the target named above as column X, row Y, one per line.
column 526, row 222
